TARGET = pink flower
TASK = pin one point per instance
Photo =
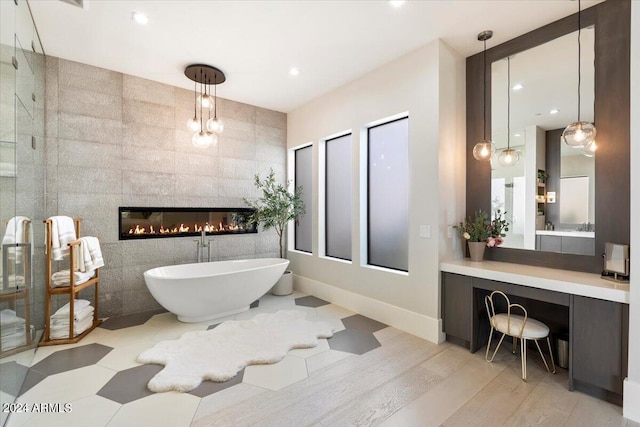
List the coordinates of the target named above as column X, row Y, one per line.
column 491, row 242
column 466, row 235
column 499, row 241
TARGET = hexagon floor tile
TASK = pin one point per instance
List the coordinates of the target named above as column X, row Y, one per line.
column 362, row 323
column 279, row 375
column 135, row 319
column 73, row 358
column 207, row 388
column 353, row 341
column 130, row 384
column 311, row 301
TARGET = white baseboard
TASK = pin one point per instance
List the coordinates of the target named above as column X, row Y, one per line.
column 631, row 407
column 414, row 323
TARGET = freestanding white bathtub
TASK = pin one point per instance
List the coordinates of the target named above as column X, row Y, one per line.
column 209, row 290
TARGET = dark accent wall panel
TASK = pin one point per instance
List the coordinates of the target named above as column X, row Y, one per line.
column 612, row 74
column 613, row 47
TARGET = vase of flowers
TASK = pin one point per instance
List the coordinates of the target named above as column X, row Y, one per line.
column 481, row 232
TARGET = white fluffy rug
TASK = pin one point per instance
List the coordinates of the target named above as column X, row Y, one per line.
column 220, row 353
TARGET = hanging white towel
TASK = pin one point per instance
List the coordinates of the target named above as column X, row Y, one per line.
column 88, row 256
column 62, row 278
column 63, row 231
column 18, row 230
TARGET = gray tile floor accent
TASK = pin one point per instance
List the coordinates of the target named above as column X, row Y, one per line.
column 209, row 387
column 311, row 301
column 353, row 341
column 73, row 358
column 213, row 326
column 128, row 320
column 11, row 375
column 255, row 304
column 130, row 384
column 31, row 380
column 362, row 323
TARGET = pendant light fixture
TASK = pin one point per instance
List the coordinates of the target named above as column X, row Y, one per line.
column 215, row 124
column 579, row 134
column 484, row 149
column 509, row 156
column 204, row 135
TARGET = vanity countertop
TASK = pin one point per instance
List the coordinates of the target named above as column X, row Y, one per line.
column 567, row 233
column 571, row 282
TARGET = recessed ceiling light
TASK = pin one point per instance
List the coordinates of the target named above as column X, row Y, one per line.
column 397, row 3
column 516, row 134
column 294, row 71
column 554, row 111
column 518, row 86
column 140, row 18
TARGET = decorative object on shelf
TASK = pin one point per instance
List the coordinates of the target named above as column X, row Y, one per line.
column 275, row 209
column 542, row 176
column 484, row 149
column 205, row 135
column 509, row 156
column 580, row 134
column 480, row 232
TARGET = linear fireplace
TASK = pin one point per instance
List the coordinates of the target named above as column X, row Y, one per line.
column 152, row 223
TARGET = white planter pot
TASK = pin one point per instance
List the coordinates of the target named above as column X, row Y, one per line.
column 284, row 286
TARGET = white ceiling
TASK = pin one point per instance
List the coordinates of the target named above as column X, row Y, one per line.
column 256, row 42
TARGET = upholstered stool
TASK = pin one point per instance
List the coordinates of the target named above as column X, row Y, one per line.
column 518, row 327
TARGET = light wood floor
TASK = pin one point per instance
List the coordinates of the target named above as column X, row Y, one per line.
column 411, row 382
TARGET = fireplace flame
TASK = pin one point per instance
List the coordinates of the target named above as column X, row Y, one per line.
column 199, row 228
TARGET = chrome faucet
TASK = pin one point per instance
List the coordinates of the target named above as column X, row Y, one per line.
column 200, row 244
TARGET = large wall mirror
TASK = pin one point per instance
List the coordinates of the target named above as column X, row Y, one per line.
column 563, row 205
column 549, row 194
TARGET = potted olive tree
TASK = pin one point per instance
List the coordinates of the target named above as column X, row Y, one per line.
column 274, row 209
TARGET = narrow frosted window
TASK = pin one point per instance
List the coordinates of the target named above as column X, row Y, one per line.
column 338, row 197
column 388, row 200
column 303, row 178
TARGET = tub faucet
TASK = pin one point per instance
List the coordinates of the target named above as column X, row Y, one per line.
column 200, row 244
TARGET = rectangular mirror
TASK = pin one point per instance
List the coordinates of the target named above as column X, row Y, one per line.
column 534, row 96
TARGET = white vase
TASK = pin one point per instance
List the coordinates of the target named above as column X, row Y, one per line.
column 284, row 285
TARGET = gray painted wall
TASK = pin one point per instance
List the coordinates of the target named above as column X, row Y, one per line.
column 118, row 140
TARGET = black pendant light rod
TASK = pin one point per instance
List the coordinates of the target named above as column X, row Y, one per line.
column 484, row 36
column 579, row 52
column 215, row 96
column 508, row 102
column 484, row 92
column 195, row 99
column 201, row 104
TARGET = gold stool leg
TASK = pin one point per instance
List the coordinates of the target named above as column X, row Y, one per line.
column 523, row 355
column 551, row 354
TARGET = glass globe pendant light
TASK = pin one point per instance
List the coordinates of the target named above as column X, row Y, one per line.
column 579, row 134
column 484, row 149
column 204, row 135
column 509, row 156
column 589, row 150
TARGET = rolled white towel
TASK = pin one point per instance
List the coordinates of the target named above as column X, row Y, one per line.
column 62, row 278
column 80, row 315
column 78, row 305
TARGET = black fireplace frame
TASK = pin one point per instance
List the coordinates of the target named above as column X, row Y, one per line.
column 123, row 235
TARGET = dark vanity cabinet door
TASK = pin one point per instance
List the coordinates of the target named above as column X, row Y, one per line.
column 457, row 294
column 599, row 344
